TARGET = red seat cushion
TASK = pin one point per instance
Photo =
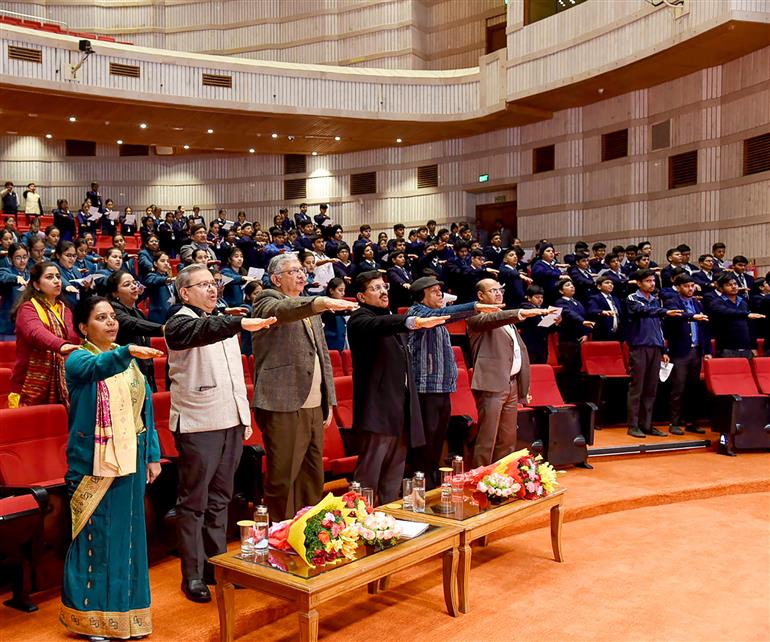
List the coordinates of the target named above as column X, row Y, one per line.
column 761, row 368
column 17, row 504
column 603, row 358
column 159, row 366
column 542, row 386
column 343, row 411
column 335, row 356
column 730, row 377
column 334, row 450
column 347, row 362
column 459, row 357
column 161, row 403
column 7, row 354
column 159, row 343
column 463, row 402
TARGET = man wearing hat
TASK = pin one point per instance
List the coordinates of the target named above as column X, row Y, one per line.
column 689, row 341
column 435, row 370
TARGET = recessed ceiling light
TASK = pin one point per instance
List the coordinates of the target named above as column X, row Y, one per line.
column 398, row 140
column 275, row 135
column 178, row 129
column 73, row 119
column 219, row 149
column 32, row 115
column 252, row 150
column 290, row 137
column 49, row 136
column 119, row 141
column 315, row 153
column 12, row 133
column 187, row 147
column 142, row 125
column 600, row 90
column 337, row 138
column 209, row 131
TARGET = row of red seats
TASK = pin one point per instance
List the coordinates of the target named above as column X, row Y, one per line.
column 54, row 28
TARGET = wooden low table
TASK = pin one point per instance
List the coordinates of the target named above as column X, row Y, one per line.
column 477, row 523
column 286, row 575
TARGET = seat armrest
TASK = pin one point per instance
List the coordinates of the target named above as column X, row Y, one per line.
column 40, row 494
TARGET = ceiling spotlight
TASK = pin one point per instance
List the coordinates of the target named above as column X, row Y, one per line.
column 337, row 138
column 291, row 138
column 209, row 131
column 251, row 150
column 32, row 115
column 119, row 141
column 142, row 125
column 398, row 140
column 274, row 135
column 49, row 136
column 73, row 119
column 187, row 147
column 600, row 90
column 315, row 153
column 219, row 149
column 178, row 129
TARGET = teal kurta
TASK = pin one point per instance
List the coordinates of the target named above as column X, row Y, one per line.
column 106, row 589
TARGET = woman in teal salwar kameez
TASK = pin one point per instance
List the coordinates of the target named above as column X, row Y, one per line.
column 112, row 453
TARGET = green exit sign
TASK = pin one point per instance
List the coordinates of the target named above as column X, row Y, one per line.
column 483, row 178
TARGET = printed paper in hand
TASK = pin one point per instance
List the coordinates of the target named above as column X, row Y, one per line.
column 665, row 370
column 257, row 273
column 549, row 319
column 114, row 215
column 88, row 281
column 227, row 225
column 225, row 280
column 410, row 529
column 528, row 254
column 449, row 298
column 130, row 219
column 94, row 214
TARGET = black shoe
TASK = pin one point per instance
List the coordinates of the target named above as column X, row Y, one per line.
column 675, row 430
column 635, row 432
column 655, row 432
column 724, row 449
column 196, row 591
column 584, row 464
column 695, row 429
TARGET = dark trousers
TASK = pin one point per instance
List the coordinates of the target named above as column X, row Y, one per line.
column 381, row 460
column 644, row 367
column 436, row 409
column 207, row 463
column 684, row 379
column 294, row 443
column 498, row 413
column 571, row 363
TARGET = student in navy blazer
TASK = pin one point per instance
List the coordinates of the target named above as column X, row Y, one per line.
column 606, row 311
column 514, row 282
column 546, row 274
column 583, row 278
column 573, row 330
column 689, row 342
column 730, row 314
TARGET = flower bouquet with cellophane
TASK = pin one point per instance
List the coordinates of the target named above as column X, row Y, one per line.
column 356, row 507
column 379, row 530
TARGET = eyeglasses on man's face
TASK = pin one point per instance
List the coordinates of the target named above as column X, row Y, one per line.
column 380, row 287
column 204, row 285
column 500, row 290
column 293, row 271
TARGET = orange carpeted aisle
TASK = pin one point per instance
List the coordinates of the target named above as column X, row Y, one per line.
column 670, row 547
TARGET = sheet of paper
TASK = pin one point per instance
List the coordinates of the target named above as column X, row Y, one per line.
column 88, row 280
column 528, row 254
column 257, row 273
column 549, row 319
column 130, row 219
column 113, row 215
column 665, row 370
column 411, row 529
column 227, row 225
column 449, row 298
column 225, row 280
column 94, row 214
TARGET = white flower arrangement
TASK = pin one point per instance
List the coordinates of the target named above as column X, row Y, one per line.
column 378, row 529
column 498, row 487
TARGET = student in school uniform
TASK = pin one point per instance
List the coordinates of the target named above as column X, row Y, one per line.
column 546, row 273
column 605, row 310
column 705, row 277
column 534, row 336
column 596, row 264
column 674, row 258
column 582, row 278
column 689, row 342
column 742, row 277
column 730, row 314
column 514, row 282
column 613, row 271
column 160, row 288
column 573, row 331
column 494, row 251
column 646, row 351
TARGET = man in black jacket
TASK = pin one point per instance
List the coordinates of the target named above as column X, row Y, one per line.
column 386, row 410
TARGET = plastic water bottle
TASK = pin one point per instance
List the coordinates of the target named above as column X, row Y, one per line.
column 418, row 491
column 457, row 478
column 261, row 526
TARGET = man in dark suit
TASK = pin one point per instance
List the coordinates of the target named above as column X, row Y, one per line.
column 386, row 409
column 582, row 278
column 605, row 310
column 729, row 313
column 689, row 341
column 293, row 387
column 500, row 373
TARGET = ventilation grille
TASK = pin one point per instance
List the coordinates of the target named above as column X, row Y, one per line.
column 79, row 148
column 756, row 154
column 294, row 164
column 134, row 150
column 127, row 71
column 543, row 159
column 365, row 183
column 661, row 135
column 683, row 170
column 294, row 188
column 427, row 176
column 615, row 145
column 23, row 53
column 215, row 80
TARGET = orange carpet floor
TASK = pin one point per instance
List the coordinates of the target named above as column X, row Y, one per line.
column 657, row 547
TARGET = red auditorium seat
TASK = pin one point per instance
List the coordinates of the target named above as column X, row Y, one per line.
column 11, row 20
column 7, row 354
column 246, row 371
column 402, row 310
column 161, row 404
column 5, row 386
column 607, row 380
column 459, row 357
column 564, row 430
column 553, row 352
column 159, row 343
column 347, row 362
column 133, row 243
column 456, row 327
column 760, row 366
column 464, row 407
column 335, row 356
column 740, row 411
column 159, row 365
column 336, row 461
column 761, row 346
column 343, row 412
column 249, row 478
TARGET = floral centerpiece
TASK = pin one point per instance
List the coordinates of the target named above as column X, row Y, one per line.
column 378, row 530
column 356, row 507
column 498, row 487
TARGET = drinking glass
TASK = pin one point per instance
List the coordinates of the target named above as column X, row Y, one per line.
column 247, row 527
column 406, row 492
column 368, row 495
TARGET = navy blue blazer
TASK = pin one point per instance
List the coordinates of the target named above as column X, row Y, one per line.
column 603, row 328
column 678, row 330
column 585, row 285
column 491, row 253
column 573, row 314
column 515, row 287
column 546, row 276
column 705, row 282
column 730, row 323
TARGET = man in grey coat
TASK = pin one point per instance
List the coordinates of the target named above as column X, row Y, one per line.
column 293, row 387
column 500, row 373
